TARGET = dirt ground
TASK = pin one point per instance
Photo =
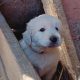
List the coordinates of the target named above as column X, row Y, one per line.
column 72, row 11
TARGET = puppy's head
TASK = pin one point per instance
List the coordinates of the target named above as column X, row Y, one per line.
column 43, row 31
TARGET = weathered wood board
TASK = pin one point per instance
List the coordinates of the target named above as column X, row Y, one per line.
column 16, row 64
column 3, row 75
column 67, row 37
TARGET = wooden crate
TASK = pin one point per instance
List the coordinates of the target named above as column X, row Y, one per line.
column 15, row 66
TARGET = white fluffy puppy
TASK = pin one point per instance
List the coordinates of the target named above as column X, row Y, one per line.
column 40, row 42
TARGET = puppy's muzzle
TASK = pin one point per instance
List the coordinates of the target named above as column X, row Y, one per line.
column 54, row 41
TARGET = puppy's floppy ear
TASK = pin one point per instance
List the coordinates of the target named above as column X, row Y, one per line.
column 27, row 37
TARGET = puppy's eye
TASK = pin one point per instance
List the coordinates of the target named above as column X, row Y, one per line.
column 56, row 28
column 42, row 29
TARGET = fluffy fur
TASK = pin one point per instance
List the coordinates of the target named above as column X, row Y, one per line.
column 40, row 43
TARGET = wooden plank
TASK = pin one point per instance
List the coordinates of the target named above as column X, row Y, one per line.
column 3, row 75
column 16, row 64
column 49, row 7
column 67, row 37
column 72, row 11
column 67, row 49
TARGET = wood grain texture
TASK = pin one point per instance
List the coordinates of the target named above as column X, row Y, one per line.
column 16, row 64
column 67, row 37
column 3, row 75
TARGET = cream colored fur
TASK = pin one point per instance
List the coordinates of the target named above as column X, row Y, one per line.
column 35, row 42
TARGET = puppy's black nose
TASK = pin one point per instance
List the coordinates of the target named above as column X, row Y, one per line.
column 53, row 39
